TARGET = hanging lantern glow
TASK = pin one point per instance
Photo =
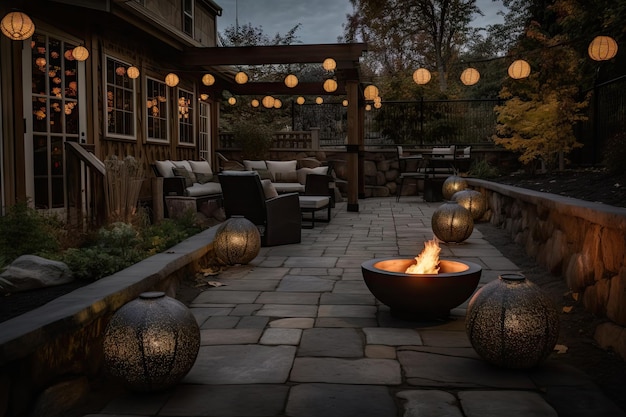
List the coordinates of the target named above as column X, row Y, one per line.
column 300, row 100
column 232, row 101
column 291, row 81
column 41, row 62
column 204, row 96
column 319, row 100
column 268, row 102
column 277, row 103
column 370, row 92
column 378, row 105
column 602, row 48
column 330, row 85
column 421, row 76
column 344, row 103
column 132, row 72
column 519, row 69
column 208, row 79
column 241, row 77
column 254, row 102
column 329, row 64
column 470, row 76
column 80, row 53
column 17, row 26
column 368, row 107
column 171, row 79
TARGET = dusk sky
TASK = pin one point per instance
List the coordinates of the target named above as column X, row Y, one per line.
column 321, row 20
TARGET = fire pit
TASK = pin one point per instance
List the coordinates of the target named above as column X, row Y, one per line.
column 420, row 295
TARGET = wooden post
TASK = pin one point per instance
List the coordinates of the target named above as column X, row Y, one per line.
column 157, row 199
column 352, row 146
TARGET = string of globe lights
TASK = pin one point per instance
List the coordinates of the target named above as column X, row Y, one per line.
column 18, row 26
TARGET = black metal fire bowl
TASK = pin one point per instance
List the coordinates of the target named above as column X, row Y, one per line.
column 420, row 296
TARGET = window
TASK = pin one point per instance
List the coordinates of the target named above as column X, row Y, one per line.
column 204, row 131
column 188, row 17
column 120, row 103
column 156, row 106
column 185, row 117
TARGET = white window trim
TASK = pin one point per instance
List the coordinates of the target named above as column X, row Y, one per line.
column 193, row 118
column 167, row 112
column 192, row 15
column 105, row 117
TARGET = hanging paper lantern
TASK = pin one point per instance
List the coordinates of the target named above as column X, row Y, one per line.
column 602, row 48
column 319, row 100
column 452, row 223
column 241, row 77
column 330, row 85
column 368, row 107
column 329, row 64
column 80, row 53
column 254, row 102
column 268, row 102
column 171, row 79
column 237, row 241
column 291, row 81
column 132, row 72
column 300, row 100
column 208, row 79
column 519, row 69
column 421, row 76
column 470, row 76
column 277, row 103
column 370, row 92
column 232, row 101
column 344, row 103
column 17, row 26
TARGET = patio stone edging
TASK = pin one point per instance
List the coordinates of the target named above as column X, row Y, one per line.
column 64, row 335
column 584, row 242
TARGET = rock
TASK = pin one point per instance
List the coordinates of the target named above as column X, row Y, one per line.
column 30, row 272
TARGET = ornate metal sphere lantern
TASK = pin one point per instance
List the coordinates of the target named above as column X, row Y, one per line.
column 152, row 342
column 512, row 323
column 452, row 223
column 451, row 185
column 472, row 200
column 237, row 241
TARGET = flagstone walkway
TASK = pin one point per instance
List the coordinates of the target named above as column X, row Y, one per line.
column 297, row 333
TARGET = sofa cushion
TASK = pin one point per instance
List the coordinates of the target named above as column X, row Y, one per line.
column 251, row 165
column 303, row 172
column 203, row 178
column 198, row 190
column 288, row 187
column 189, row 176
column 200, row 167
column 282, row 166
column 165, row 168
column 286, row 176
column 265, row 174
column 268, row 189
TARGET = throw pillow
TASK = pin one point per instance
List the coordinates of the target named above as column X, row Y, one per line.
column 189, row 176
column 200, row 167
column 268, row 189
column 252, row 165
column 165, row 168
column 303, row 172
column 265, row 174
column 282, row 166
column 203, row 178
column 183, row 164
column 286, row 176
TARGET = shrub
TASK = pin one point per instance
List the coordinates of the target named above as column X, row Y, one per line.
column 255, row 139
column 482, row 169
column 615, row 153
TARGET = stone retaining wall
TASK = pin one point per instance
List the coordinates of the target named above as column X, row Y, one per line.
column 583, row 242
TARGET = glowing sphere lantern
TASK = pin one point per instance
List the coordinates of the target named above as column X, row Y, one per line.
column 421, row 76
column 330, row 85
column 519, row 69
column 370, row 92
column 602, row 48
column 470, row 76
column 132, row 72
column 241, row 77
column 452, row 223
column 151, row 343
column 17, row 26
column 268, row 102
column 300, row 100
column 208, row 79
column 237, row 241
column 171, row 79
column 80, row 53
column 472, row 200
column 451, row 185
column 329, row 64
column 291, row 81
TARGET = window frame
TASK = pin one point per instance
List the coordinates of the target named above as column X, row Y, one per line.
column 165, row 112
column 190, row 107
column 187, row 16
column 132, row 90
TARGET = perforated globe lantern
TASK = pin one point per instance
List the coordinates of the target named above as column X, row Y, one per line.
column 291, row 81
column 421, row 76
column 452, row 223
column 451, row 185
column 519, row 69
column 17, row 26
column 602, row 48
column 237, row 241
column 470, row 76
column 151, row 343
column 472, row 200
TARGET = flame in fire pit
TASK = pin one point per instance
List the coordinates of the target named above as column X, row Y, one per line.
column 427, row 262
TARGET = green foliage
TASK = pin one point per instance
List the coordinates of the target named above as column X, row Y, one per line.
column 480, row 168
column 24, row 230
column 255, row 139
column 158, row 237
column 615, row 153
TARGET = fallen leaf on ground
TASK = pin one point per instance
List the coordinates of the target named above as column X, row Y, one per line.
column 575, row 296
column 567, row 309
column 560, row 349
column 215, row 284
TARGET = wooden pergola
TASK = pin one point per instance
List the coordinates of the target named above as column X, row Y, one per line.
column 219, row 60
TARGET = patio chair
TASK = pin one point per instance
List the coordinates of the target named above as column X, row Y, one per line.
column 319, row 194
column 278, row 219
column 415, row 174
